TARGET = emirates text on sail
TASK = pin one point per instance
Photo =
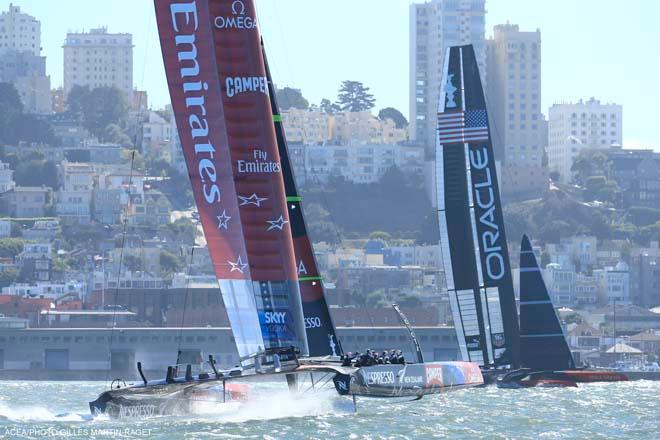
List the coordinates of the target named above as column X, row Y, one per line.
column 185, row 23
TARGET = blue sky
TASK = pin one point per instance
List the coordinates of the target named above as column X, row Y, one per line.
column 608, row 49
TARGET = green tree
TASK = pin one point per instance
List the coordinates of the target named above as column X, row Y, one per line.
column 574, row 318
column 36, row 173
column 31, row 129
column 101, row 107
column 430, row 230
column 11, row 109
column 8, row 276
column 395, row 115
column 380, row 235
column 10, row 247
column 642, row 216
column 375, row 299
column 354, row 97
column 157, row 166
column 325, row 231
column 139, row 163
column 183, row 230
column 291, row 98
column 553, row 230
column 132, row 263
column 114, row 133
column 75, row 100
column 169, row 262
column 589, row 163
column 328, row 107
column 409, row 301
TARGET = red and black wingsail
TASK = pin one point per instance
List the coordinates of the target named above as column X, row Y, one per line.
column 472, row 238
column 543, row 344
column 220, row 97
column 321, row 335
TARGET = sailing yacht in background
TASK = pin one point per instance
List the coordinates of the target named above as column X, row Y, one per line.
column 545, row 356
column 472, row 238
column 475, row 255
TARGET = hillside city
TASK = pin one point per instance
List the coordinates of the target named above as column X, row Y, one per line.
column 98, row 225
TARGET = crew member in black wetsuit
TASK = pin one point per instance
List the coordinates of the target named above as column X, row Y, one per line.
column 392, row 357
column 385, row 357
column 346, row 359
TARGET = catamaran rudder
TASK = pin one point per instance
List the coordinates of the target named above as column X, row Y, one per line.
column 472, row 237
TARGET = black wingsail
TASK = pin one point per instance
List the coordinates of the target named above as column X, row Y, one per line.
column 321, row 335
column 472, row 238
column 542, row 342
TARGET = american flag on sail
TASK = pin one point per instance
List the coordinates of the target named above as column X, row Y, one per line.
column 463, row 126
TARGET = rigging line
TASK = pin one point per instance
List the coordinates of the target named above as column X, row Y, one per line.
column 126, row 209
column 121, row 260
column 292, row 73
column 185, row 304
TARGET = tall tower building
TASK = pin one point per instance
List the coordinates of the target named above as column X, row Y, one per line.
column 434, row 26
column 574, row 127
column 21, row 62
column 514, row 99
column 19, row 32
column 99, row 59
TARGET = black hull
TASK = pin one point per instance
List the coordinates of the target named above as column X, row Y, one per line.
column 161, row 399
column 526, row 377
column 409, row 380
column 120, row 407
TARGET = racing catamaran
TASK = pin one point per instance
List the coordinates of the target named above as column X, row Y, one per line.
column 545, row 356
column 472, row 238
column 251, row 213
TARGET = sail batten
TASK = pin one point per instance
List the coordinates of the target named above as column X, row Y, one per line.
column 472, row 238
column 542, row 340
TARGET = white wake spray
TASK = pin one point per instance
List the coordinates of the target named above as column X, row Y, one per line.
column 38, row 414
column 276, row 404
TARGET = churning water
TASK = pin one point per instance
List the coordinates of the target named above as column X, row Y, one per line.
column 39, row 410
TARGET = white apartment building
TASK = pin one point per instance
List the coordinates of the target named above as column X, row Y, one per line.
column 97, row 59
column 309, row 127
column 574, row 127
column 358, row 163
column 424, row 256
column 363, row 127
column 5, row 228
column 73, row 203
column 615, row 284
column 47, row 290
column 21, row 62
column 514, row 99
column 177, row 159
column 434, row 26
column 19, row 32
column 156, row 132
column 572, row 251
column 6, row 178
